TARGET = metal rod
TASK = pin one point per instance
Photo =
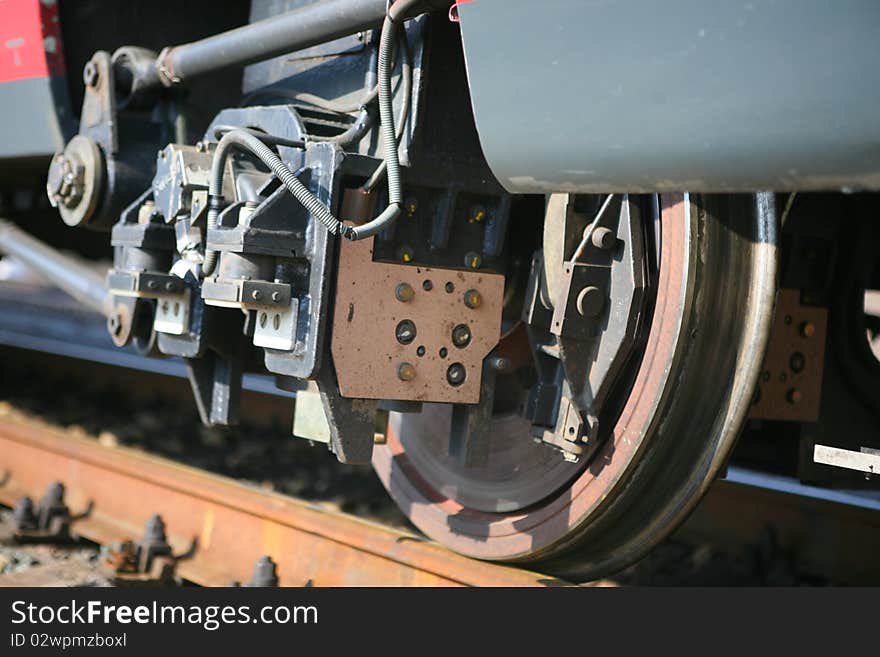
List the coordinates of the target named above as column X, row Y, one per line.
column 79, row 281
column 294, row 30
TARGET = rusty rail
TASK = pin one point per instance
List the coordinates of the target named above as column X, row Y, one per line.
column 232, row 524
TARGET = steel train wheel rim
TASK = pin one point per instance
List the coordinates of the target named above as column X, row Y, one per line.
column 596, row 524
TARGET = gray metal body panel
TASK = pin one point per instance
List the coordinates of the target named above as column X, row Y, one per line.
column 36, row 117
column 636, row 95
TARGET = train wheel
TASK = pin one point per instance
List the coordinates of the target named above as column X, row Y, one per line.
column 715, row 287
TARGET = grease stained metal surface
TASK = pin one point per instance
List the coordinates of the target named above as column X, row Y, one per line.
column 368, row 313
column 232, row 524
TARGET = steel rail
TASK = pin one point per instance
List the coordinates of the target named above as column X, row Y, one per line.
column 232, row 524
column 48, row 325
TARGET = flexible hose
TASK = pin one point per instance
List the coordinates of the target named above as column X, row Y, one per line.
column 251, row 143
column 386, row 118
column 309, row 201
column 406, row 91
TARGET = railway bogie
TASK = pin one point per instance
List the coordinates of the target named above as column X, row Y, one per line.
column 545, row 328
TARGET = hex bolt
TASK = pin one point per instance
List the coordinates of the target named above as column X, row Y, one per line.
column 807, row 329
column 473, row 299
column 461, row 336
column 590, row 301
column 406, row 372
column 65, row 182
column 603, row 238
column 473, row 260
column 456, row 374
column 276, row 297
column 404, row 292
column 255, row 295
column 794, row 396
column 265, row 573
column 405, row 253
column 405, row 331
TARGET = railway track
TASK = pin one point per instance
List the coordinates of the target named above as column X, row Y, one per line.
column 224, row 526
column 834, row 534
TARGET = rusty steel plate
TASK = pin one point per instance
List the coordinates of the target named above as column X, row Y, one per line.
column 370, row 360
column 790, row 387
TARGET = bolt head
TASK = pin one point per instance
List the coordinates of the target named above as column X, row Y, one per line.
column 404, row 292
column 500, row 364
column 477, row 214
column 255, row 295
column 473, row 299
column 473, row 260
column 65, row 181
column 603, row 238
column 406, row 372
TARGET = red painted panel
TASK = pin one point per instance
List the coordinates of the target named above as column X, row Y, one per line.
column 30, row 40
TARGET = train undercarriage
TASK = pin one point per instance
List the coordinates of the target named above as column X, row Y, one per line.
column 543, row 320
